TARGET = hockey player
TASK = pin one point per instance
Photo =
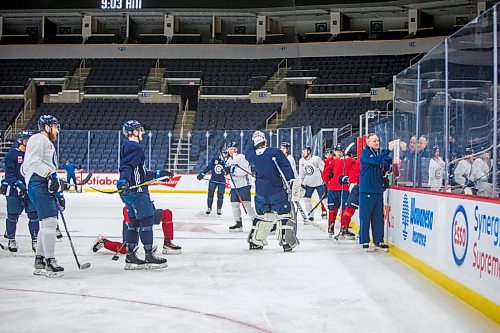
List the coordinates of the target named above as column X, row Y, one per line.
column 285, row 148
column 139, row 205
column 352, row 202
column 70, row 174
column 238, row 169
column 462, row 172
column 39, row 170
column 310, row 169
column 271, row 199
column 436, row 169
column 338, row 193
column 161, row 216
column 217, row 181
column 480, row 172
column 16, row 194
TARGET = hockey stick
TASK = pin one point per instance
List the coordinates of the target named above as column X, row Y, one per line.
column 2, row 246
column 132, row 187
column 85, row 180
column 342, row 187
column 234, row 184
column 319, row 202
column 84, row 265
column 289, row 190
column 115, row 256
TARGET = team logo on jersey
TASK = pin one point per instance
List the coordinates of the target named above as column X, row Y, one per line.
column 20, row 160
column 218, row 168
column 309, row 170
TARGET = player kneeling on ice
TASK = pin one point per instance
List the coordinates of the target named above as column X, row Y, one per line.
column 161, row 216
column 136, row 198
column 271, row 199
column 238, row 169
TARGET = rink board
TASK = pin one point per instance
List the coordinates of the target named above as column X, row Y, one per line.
column 452, row 239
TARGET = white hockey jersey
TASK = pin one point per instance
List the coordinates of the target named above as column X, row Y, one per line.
column 436, row 173
column 462, row 172
column 240, row 172
column 40, row 157
column 480, row 170
column 293, row 165
column 310, row 171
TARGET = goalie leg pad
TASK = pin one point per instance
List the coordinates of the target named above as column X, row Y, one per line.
column 288, row 232
column 262, row 227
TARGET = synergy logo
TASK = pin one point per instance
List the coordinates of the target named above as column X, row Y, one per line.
column 459, row 235
column 405, row 216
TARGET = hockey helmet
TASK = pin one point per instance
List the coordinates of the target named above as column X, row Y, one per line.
column 258, row 137
column 23, row 135
column 47, row 119
column 286, row 145
column 130, row 126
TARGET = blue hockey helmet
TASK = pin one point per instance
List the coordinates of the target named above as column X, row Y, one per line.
column 130, row 126
column 286, row 145
column 338, row 147
column 232, row 144
column 23, row 135
column 47, row 119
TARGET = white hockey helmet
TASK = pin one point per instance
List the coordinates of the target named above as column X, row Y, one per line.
column 258, row 137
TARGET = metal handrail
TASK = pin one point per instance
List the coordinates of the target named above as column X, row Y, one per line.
column 275, row 113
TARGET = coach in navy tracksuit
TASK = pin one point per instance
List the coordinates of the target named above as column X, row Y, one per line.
column 371, row 202
column 217, row 181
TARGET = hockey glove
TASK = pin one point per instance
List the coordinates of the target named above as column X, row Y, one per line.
column 61, row 201
column 123, row 186
column 343, row 180
column 163, row 173
column 54, row 183
column 20, row 185
column 385, row 182
column 330, row 175
column 3, row 187
column 200, row 176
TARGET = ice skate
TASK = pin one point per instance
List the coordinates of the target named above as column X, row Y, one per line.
column 324, row 215
column 12, row 245
column 209, row 210
column 52, row 269
column 132, row 262
column 366, row 247
column 382, row 247
column 33, row 245
column 331, row 230
column 39, row 266
column 98, row 244
column 349, row 235
column 340, row 236
column 154, row 262
column 219, row 212
column 253, row 246
column 170, row 248
column 238, row 227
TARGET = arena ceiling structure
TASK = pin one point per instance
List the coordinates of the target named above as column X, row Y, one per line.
column 289, row 8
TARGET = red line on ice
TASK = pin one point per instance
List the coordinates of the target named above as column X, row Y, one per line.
column 239, row 322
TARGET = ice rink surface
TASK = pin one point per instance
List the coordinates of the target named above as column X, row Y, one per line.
column 217, row 284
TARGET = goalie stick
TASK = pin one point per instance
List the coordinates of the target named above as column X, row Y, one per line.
column 132, row 187
column 84, row 265
column 289, row 190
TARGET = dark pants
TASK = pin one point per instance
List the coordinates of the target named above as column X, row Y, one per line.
column 141, row 212
column 44, row 201
column 15, row 207
column 220, row 194
column 371, row 212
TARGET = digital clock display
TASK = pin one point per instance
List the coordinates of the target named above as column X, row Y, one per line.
column 121, row 4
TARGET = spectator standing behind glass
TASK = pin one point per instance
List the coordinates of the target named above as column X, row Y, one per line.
column 462, row 171
column 480, row 172
column 420, row 149
column 436, row 169
column 371, row 202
